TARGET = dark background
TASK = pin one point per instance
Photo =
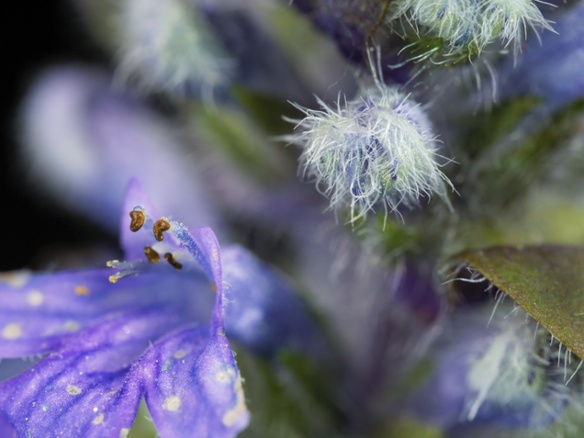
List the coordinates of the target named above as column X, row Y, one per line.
column 35, row 35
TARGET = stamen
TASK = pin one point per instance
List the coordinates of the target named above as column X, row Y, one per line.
column 114, row 278
column 160, row 226
column 138, row 218
column 151, row 254
column 125, row 269
column 172, row 261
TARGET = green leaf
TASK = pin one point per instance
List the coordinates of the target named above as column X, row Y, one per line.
column 494, row 125
column 507, row 170
column 103, row 20
column 235, row 135
column 547, row 281
column 531, row 222
column 283, row 400
column 143, row 426
column 268, row 111
column 406, row 427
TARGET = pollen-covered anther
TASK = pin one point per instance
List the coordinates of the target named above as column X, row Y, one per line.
column 172, row 261
column 151, row 254
column 138, row 217
column 160, row 226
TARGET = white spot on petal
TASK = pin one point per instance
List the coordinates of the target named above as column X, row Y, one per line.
column 234, row 414
column 98, row 420
column 35, row 298
column 172, row 403
column 222, row 377
column 12, row 331
column 180, row 354
column 71, row 326
column 73, row 390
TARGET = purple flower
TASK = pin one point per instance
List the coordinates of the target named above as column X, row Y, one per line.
column 270, row 317
column 95, row 136
column 83, row 140
column 145, row 332
column 356, row 25
column 550, row 68
column 494, row 368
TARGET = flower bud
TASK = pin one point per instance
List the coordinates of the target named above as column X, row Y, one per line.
column 168, row 45
column 375, row 150
column 469, row 25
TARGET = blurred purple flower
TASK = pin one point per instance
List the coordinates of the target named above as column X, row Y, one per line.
column 99, row 139
column 108, row 343
column 550, row 68
column 270, row 317
column 356, row 26
column 493, row 368
column 83, row 141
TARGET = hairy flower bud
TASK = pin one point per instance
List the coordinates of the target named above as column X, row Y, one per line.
column 472, row 24
column 167, row 44
column 375, row 150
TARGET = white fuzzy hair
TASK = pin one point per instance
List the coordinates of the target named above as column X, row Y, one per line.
column 167, row 45
column 474, row 23
column 375, row 150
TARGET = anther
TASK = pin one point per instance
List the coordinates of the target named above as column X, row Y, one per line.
column 172, row 261
column 160, row 226
column 151, row 254
column 138, row 217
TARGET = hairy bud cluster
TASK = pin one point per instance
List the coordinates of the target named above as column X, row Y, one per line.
column 167, row 44
column 375, row 150
column 473, row 24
